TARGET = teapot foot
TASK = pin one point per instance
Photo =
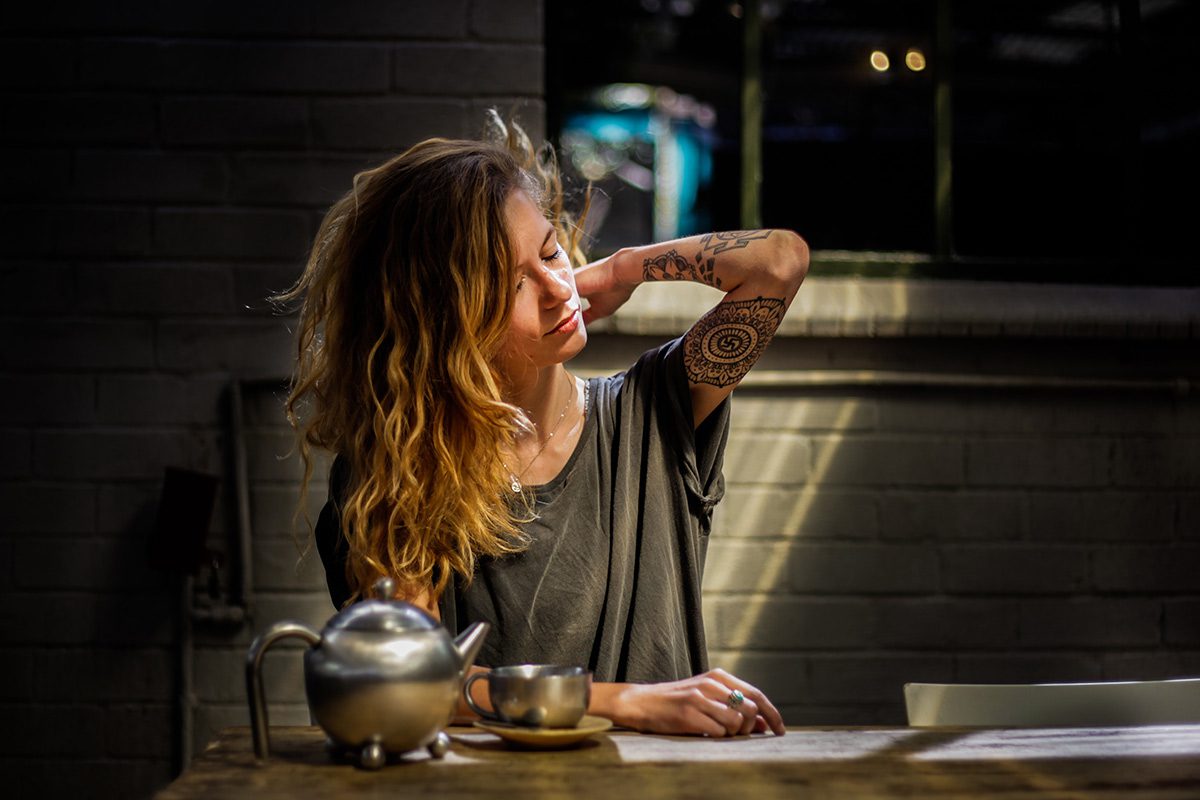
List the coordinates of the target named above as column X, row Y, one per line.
column 439, row 745
column 372, row 756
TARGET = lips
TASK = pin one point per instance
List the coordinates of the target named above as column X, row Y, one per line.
column 567, row 325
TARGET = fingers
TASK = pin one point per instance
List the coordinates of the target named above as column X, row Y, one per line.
column 592, row 278
column 594, row 312
column 701, row 705
column 739, row 717
column 762, row 705
column 749, row 711
column 730, row 721
column 698, row 721
column 599, row 307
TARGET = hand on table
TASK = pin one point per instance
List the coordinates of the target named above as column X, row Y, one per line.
column 696, row 705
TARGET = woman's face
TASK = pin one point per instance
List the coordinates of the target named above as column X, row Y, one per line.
column 545, row 327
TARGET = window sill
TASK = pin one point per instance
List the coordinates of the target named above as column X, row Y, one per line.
column 909, row 307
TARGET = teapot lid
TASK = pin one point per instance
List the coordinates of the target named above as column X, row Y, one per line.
column 382, row 614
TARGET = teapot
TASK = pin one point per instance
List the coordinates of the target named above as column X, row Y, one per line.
column 382, row 677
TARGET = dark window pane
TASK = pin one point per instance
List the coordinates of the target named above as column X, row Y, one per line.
column 1169, row 84
column 848, row 138
column 1040, row 129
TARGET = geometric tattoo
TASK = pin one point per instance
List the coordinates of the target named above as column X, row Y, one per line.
column 730, row 240
column 670, row 266
column 724, row 344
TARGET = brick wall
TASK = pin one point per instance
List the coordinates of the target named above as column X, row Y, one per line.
column 949, row 535
column 164, row 167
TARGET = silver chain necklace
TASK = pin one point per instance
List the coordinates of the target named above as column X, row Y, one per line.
column 515, row 478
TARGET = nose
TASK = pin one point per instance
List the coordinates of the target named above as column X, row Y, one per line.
column 556, row 285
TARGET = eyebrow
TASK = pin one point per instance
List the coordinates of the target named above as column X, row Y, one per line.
column 549, row 233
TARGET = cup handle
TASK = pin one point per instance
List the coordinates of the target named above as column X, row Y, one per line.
column 471, row 701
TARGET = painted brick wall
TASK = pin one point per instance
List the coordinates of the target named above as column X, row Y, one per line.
column 946, row 535
column 164, row 167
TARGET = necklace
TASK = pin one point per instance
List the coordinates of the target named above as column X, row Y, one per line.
column 515, row 478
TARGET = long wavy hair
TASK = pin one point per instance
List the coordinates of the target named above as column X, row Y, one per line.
column 406, row 297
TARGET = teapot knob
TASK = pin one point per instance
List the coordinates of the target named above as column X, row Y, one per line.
column 384, row 589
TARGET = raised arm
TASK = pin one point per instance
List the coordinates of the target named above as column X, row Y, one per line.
column 759, row 271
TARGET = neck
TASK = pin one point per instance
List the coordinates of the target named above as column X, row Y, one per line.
column 542, row 394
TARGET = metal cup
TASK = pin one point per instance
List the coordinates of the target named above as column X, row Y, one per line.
column 534, row 695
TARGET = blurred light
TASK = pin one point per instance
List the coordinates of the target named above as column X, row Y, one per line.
column 735, row 10
column 879, row 61
column 626, row 95
column 914, row 59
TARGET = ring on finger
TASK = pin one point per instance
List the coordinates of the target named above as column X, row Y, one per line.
column 735, row 699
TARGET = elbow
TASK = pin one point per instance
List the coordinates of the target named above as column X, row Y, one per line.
column 792, row 258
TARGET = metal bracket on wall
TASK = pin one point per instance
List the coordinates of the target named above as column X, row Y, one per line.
column 235, row 608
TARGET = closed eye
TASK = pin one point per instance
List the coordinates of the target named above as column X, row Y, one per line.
column 555, row 256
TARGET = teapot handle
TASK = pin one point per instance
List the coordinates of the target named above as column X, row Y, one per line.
column 254, row 687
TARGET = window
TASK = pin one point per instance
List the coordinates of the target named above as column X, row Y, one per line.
column 1029, row 139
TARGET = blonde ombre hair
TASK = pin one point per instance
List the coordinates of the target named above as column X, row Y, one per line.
column 406, row 298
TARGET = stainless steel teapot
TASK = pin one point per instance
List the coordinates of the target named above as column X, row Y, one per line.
column 382, row 677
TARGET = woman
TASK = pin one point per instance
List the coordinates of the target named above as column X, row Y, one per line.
column 439, row 307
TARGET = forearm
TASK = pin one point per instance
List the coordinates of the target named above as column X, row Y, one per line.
column 742, row 262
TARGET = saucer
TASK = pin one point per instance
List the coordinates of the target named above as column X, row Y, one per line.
column 546, row 737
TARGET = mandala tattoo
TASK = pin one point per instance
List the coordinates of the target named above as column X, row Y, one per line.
column 671, row 266
column 722, row 347
column 730, row 240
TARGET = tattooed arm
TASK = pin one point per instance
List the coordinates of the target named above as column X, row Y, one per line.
column 760, row 272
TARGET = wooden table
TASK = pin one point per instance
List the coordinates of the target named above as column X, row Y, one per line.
column 1126, row 763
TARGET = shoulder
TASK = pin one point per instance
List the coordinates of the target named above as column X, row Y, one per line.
column 659, row 364
column 659, row 371
column 654, row 388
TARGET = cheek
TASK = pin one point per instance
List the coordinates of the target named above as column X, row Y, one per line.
column 524, row 322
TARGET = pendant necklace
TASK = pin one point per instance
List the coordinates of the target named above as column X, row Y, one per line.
column 515, row 484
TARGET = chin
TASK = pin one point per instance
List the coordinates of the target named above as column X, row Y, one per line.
column 575, row 344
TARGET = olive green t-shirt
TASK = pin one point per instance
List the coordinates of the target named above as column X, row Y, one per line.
column 611, row 576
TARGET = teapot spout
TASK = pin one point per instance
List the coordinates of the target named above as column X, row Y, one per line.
column 469, row 641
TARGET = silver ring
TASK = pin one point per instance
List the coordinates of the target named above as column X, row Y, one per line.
column 736, row 698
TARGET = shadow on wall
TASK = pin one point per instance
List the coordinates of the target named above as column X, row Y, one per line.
column 872, row 536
